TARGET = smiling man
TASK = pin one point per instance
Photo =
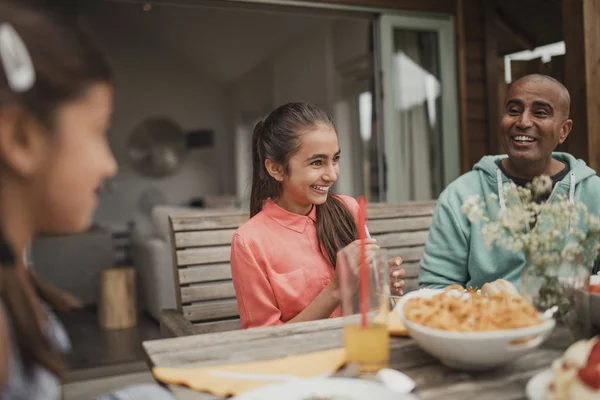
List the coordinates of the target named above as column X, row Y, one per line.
column 534, row 122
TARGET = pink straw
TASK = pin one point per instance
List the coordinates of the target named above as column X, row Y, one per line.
column 363, row 268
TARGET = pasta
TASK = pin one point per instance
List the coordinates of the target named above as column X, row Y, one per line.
column 457, row 310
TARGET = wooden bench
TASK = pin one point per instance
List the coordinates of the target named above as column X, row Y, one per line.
column 201, row 247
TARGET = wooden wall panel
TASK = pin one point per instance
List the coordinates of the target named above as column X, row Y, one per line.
column 491, row 74
column 463, row 89
column 581, row 26
column 477, row 131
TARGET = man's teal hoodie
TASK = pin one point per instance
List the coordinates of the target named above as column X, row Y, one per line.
column 456, row 252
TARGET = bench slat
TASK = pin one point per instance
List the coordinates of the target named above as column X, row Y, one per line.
column 204, row 273
column 399, row 211
column 198, row 222
column 207, row 291
column 217, row 326
column 206, row 255
column 412, row 269
column 211, row 310
column 401, row 239
column 204, row 238
column 410, row 285
column 408, row 254
column 399, row 224
column 406, row 205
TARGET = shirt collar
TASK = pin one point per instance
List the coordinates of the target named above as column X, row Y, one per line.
column 290, row 220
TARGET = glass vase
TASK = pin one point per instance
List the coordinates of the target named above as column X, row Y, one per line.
column 557, row 290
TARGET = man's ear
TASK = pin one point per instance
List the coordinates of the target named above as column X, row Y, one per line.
column 23, row 142
column 565, row 130
column 276, row 171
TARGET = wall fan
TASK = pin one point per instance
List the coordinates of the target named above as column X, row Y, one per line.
column 157, row 147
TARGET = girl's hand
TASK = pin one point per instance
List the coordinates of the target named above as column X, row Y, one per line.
column 396, row 275
column 350, row 255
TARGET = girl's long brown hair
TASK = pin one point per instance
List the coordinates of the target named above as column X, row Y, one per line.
column 276, row 138
column 66, row 63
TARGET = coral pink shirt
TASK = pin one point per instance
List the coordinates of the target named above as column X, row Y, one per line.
column 276, row 265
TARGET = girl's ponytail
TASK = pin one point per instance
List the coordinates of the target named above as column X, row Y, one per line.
column 263, row 185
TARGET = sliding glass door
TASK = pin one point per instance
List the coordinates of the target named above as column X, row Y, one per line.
column 419, row 105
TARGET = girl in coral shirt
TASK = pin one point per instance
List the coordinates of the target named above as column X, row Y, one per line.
column 284, row 259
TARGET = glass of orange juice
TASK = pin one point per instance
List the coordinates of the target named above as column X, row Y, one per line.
column 366, row 339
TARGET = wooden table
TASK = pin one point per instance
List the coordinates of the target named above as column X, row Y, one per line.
column 434, row 381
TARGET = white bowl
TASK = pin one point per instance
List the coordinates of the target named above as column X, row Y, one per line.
column 473, row 351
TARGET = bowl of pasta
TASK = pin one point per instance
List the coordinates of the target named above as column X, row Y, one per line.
column 471, row 330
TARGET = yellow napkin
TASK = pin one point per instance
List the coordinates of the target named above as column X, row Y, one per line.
column 226, row 380
column 395, row 325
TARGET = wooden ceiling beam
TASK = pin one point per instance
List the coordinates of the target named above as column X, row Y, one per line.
column 441, row 6
column 504, row 21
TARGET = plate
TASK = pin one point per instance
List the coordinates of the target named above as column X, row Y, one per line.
column 330, row 388
column 537, row 386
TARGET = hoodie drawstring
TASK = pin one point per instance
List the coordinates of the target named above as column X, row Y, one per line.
column 572, row 188
column 500, row 189
column 571, row 195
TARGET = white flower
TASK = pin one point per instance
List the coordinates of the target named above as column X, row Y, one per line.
column 549, row 233
column 541, row 185
column 571, row 252
column 593, row 223
column 473, row 209
column 492, row 233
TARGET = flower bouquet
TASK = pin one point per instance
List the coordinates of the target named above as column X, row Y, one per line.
column 559, row 237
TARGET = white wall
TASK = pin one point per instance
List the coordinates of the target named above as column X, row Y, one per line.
column 345, row 122
column 351, row 54
column 151, row 81
column 301, row 70
column 351, row 38
column 251, row 98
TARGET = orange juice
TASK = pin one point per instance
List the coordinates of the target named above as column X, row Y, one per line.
column 369, row 346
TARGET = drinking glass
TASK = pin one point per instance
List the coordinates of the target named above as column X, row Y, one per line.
column 366, row 339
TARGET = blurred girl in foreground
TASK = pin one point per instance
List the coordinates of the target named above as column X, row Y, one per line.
column 55, row 105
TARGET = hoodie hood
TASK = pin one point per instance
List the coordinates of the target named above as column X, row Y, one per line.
column 488, row 167
column 579, row 171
